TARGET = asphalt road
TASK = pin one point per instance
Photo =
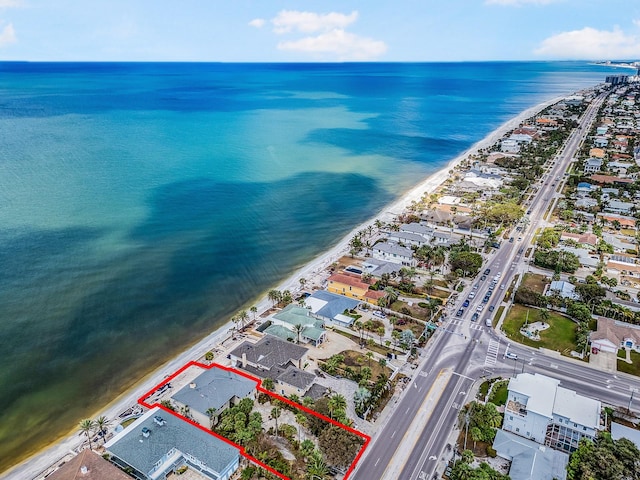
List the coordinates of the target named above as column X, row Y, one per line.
column 461, row 349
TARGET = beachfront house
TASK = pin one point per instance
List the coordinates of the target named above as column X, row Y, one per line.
column 159, row 444
column 539, row 409
column 297, row 324
column 278, row 360
column 406, row 239
column 88, row 465
column 211, row 393
column 331, row 307
column 394, row 253
column 351, row 285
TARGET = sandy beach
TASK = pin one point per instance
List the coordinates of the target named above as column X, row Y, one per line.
column 39, row 463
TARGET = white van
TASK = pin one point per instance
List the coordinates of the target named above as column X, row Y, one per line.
column 511, row 355
column 488, row 322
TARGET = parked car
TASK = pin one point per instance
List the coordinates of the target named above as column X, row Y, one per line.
column 483, row 277
column 460, row 312
column 465, row 303
column 474, row 317
column 488, row 322
column 492, row 308
column 480, row 307
column 512, row 356
column 486, row 298
column 487, row 271
column 471, row 295
column 379, row 314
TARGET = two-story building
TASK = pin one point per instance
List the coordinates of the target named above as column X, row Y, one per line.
column 394, row 253
column 352, row 285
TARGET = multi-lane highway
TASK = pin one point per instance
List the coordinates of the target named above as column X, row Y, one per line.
column 452, row 363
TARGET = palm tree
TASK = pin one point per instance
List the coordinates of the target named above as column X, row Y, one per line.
column 391, row 294
column 102, row 423
column 254, row 311
column 316, row 468
column 86, row 426
column 274, row 296
column 369, row 356
column 544, row 315
column 243, row 316
column 298, row 328
column 275, row 414
column 380, row 333
column 476, row 434
column 268, row 384
column 366, row 374
column 211, row 412
column 303, row 282
column 336, row 402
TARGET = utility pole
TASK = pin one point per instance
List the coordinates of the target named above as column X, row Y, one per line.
column 633, row 390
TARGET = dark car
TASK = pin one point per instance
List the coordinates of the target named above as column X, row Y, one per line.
column 486, row 299
column 520, row 250
column 487, row 271
column 474, row 317
column 465, row 303
column 460, row 312
column 511, row 240
column 492, row 308
column 483, row 277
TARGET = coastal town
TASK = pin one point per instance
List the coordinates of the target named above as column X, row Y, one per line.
column 306, row 384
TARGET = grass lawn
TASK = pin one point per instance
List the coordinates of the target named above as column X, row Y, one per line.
column 496, row 317
column 438, row 293
column 499, row 393
column 560, row 336
column 634, row 368
column 376, row 347
column 483, row 390
column 534, row 281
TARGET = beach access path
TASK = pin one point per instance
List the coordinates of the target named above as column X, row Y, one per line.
column 314, row 272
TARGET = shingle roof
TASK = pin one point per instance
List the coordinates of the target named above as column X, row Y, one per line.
column 297, row 378
column 316, row 391
column 529, row 460
column 213, row 389
column 142, row 452
column 270, row 351
column 328, row 305
column 97, row 469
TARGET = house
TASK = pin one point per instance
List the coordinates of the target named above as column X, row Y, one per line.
column 267, row 353
column 602, row 130
column 442, row 239
column 351, row 285
column 330, row 307
column 624, row 221
column 585, row 258
column 406, row 238
column 586, row 202
column 619, row 168
column 394, row 253
column 609, row 179
column 285, row 322
column 522, row 138
column 562, row 288
column 379, row 267
column 592, row 165
column 417, row 228
column 612, row 335
column 618, row 207
column 574, row 100
column 582, row 238
column 601, row 141
column 539, row 409
column 509, row 146
column 597, row 153
column 623, row 264
column 158, row 444
column 278, row 360
column 212, row 392
column 88, row 465
column 546, row 123
column 530, row 460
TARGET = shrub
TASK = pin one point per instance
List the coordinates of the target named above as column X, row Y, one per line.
column 491, row 452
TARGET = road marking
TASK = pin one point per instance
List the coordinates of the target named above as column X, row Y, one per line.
column 492, row 353
column 399, row 457
column 393, row 434
column 376, row 464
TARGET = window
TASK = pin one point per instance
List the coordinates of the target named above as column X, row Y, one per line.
column 510, row 417
column 517, row 429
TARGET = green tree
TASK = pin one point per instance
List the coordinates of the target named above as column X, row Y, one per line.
column 467, row 262
column 476, row 434
column 102, row 424
column 336, row 403
column 87, row 427
column 604, row 458
column 268, row 384
column 275, row 296
column 298, row 328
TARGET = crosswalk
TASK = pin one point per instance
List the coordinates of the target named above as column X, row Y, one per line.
column 492, row 353
column 473, row 326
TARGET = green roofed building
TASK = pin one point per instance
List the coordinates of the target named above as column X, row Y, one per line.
column 284, row 325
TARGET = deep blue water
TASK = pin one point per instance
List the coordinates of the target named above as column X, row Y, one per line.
column 142, row 204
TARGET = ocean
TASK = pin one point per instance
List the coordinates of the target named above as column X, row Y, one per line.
column 142, row 204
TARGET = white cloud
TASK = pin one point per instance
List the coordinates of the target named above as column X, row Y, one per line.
column 7, row 35
column 310, row 22
column 636, row 22
column 337, row 42
column 589, row 44
column 257, row 22
column 519, row 3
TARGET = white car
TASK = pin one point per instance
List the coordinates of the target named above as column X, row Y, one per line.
column 502, row 287
column 379, row 314
column 480, row 307
column 472, row 294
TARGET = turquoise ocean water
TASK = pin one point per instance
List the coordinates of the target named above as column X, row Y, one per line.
column 142, row 204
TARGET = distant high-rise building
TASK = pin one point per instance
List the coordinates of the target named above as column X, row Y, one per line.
column 617, row 79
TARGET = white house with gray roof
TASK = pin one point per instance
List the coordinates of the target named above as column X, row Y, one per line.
column 159, row 443
column 212, row 392
column 391, row 252
column 269, row 352
column 330, row 307
column 592, row 165
column 407, row 238
column 530, row 460
column 285, row 322
column 539, row 409
column 417, row 228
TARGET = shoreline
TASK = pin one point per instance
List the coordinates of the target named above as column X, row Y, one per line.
column 59, row 448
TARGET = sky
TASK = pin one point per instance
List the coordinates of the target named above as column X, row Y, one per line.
column 319, row 31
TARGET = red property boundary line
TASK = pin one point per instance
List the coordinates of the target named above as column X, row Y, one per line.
column 259, row 388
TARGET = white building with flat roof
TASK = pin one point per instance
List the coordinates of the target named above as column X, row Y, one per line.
column 539, row 409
